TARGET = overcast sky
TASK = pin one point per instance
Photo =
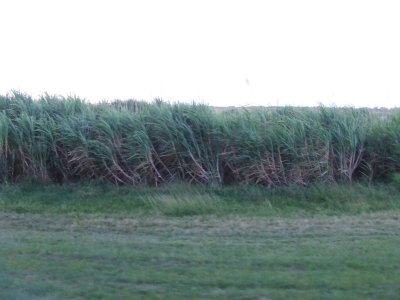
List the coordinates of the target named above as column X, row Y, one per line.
column 217, row 52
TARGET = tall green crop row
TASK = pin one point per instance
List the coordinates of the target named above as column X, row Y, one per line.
column 130, row 142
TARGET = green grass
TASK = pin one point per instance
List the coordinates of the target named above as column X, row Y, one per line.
column 184, row 199
column 97, row 241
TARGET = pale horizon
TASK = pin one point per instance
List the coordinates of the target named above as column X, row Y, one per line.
column 221, row 53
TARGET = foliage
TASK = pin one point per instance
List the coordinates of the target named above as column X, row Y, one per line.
column 136, row 143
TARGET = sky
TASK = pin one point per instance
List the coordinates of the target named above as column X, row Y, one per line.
column 220, row 52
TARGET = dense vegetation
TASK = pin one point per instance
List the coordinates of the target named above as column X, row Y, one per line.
column 129, row 142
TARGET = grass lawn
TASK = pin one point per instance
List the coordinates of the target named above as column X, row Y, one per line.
column 100, row 242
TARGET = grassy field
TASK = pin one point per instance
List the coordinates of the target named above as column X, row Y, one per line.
column 197, row 242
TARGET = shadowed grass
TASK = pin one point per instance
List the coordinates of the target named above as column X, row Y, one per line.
column 179, row 200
